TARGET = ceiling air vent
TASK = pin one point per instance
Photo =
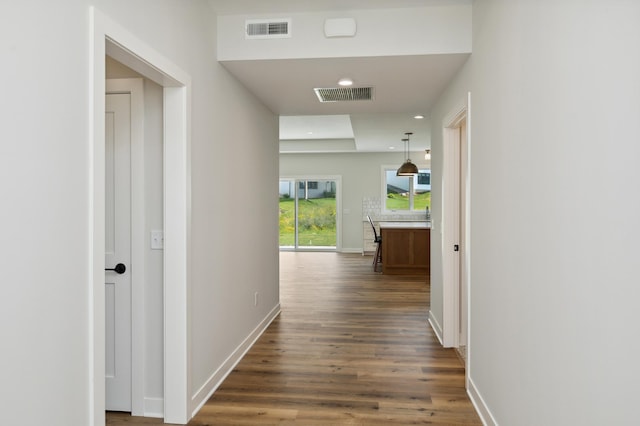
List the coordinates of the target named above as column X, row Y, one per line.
column 271, row 28
column 341, row 94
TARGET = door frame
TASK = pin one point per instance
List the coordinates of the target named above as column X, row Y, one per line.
column 109, row 38
column 451, row 216
column 338, row 180
column 135, row 88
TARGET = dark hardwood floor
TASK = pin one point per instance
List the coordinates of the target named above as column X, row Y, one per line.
column 351, row 347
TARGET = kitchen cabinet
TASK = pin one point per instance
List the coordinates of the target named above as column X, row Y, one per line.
column 406, row 247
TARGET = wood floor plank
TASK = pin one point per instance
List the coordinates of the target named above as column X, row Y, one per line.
column 351, row 347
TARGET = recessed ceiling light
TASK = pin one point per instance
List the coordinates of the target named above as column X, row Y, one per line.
column 309, row 133
column 392, row 147
column 418, row 117
column 345, row 82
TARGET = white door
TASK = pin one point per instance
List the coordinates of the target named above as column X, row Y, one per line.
column 118, row 251
column 454, row 231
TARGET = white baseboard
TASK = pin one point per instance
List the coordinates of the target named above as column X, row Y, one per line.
column 216, row 379
column 476, row 399
column 154, row 407
column 481, row 407
column 437, row 328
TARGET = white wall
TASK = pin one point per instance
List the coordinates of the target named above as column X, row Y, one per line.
column 554, row 226
column 43, row 219
column 361, row 177
column 44, row 187
column 413, row 31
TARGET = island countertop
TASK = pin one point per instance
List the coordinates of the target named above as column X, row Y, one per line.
column 414, row 224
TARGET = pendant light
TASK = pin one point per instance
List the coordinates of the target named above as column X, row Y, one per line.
column 408, row 168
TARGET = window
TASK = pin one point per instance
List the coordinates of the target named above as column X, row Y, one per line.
column 424, row 178
column 308, row 215
column 406, row 193
column 308, row 184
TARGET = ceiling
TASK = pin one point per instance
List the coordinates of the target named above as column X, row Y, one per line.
column 404, row 86
column 230, row 7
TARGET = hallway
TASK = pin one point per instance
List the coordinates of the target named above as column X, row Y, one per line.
column 351, row 346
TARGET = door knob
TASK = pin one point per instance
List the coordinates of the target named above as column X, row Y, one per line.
column 119, row 269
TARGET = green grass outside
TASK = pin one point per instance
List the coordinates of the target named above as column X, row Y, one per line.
column 316, row 222
column 317, row 218
column 400, row 202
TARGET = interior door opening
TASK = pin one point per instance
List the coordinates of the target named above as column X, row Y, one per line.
column 455, row 230
column 109, row 38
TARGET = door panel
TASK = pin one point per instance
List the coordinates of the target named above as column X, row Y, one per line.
column 118, row 250
column 110, row 323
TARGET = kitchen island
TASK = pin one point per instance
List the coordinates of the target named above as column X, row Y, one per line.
column 406, row 247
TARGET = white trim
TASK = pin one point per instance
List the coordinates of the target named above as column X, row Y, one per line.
column 177, row 220
column 467, row 240
column 130, row 51
column 215, row 380
column 135, row 87
column 108, row 36
column 95, row 212
column 457, row 113
column 481, row 407
column 435, row 326
column 154, row 407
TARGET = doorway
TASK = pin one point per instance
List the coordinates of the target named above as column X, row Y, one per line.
column 109, row 38
column 456, row 227
column 309, row 218
column 143, row 267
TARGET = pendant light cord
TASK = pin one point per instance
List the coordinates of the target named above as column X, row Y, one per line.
column 408, row 145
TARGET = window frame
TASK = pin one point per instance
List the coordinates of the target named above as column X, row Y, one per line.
column 383, row 190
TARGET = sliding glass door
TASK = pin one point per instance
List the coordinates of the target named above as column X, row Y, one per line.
column 308, row 214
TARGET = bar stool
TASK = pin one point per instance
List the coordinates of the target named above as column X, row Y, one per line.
column 377, row 258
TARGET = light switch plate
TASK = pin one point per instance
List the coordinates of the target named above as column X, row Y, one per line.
column 157, row 240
